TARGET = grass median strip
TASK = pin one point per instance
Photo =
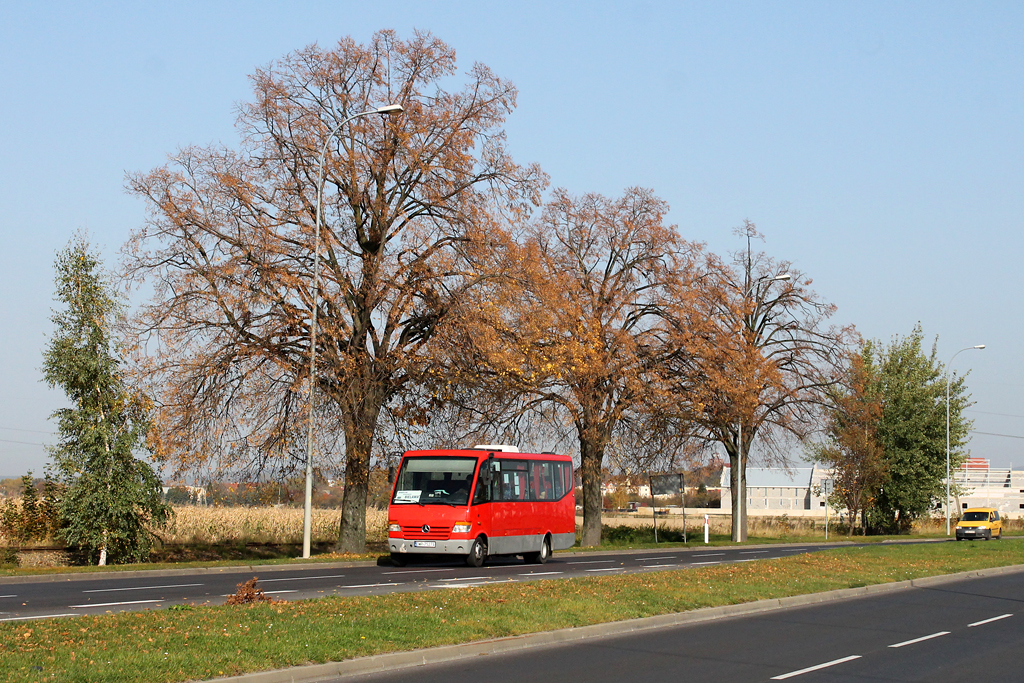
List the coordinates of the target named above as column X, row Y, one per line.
column 208, row 642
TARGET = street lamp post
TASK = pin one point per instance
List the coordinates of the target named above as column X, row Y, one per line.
column 979, row 347
column 307, row 511
column 739, row 527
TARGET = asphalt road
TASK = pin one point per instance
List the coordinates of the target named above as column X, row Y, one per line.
column 98, row 594
column 966, row 631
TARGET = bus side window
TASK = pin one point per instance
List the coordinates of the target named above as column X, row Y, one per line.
column 543, row 480
column 558, row 479
column 515, row 480
column 567, row 476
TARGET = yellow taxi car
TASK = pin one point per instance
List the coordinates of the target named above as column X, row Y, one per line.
column 979, row 523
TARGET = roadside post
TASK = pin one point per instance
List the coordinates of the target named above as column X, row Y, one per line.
column 654, row 507
column 682, row 501
column 827, row 487
column 706, row 529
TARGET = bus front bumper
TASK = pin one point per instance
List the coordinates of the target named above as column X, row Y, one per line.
column 459, row 546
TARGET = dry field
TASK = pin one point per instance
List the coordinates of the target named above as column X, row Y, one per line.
column 767, row 527
column 209, row 525
column 193, row 524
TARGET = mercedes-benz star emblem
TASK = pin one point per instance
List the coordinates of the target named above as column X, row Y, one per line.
column 426, row 529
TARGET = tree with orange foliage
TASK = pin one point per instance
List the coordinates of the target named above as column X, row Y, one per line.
column 412, row 207
column 754, row 361
column 584, row 333
column 852, row 449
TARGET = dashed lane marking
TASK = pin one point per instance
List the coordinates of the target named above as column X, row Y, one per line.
column 304, row 578
column 921, row 639
column 989, row 621
column 114, row 604
column 817, row 667
column 141, row 588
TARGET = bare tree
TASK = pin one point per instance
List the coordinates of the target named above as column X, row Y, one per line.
column 754, row 361
column 583, row 336
column 412, row 206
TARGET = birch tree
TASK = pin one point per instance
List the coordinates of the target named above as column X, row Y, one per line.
column 111, row 498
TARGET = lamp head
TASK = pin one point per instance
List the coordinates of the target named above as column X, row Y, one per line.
column 980, row 346
column 783, row 277
column 390, row 109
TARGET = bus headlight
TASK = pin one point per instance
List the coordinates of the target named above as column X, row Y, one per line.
column 462, row 528
column 394, row 526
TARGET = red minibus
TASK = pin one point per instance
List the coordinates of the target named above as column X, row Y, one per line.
column 487, row 500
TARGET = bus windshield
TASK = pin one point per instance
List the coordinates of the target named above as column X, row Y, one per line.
column 430, row 480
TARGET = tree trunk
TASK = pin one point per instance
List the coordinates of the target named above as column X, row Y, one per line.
column 738, row 476
column 360, row 426
column 591, row 456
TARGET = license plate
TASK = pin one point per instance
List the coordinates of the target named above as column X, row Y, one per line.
column 424, row 544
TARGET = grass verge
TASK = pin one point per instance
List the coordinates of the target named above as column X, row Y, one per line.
column 208, row 642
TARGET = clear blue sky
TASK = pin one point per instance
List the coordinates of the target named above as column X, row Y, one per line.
column 878, row 145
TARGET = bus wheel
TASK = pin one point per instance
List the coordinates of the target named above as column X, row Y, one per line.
column 478, row 553
column 398, row 560
column 542, row 555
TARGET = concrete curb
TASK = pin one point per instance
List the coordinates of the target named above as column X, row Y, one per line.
column 448, row 653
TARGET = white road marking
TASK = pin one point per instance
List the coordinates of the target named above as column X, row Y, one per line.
column 922, row 638
column 8, row 596
column 605, row 569
column 752, row 552
column 276, row 592
column 40, row 616
column 465, row 578
column 301, row 578
column 590, row 562
column 540, row 574
column 709, row 555
column 419, row 571
column 471, row 585
column 373, row 585
column 657, row 566
column 815, row 668
column 114, row 604
column 714, row 562
column 667, row 557
column 989, row 621
column 141, row 588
